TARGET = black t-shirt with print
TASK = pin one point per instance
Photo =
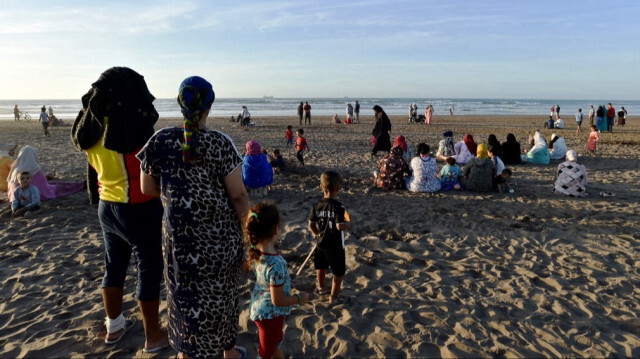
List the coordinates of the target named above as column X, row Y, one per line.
column 326, row 214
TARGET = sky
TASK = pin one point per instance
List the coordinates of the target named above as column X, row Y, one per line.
column 423, row 48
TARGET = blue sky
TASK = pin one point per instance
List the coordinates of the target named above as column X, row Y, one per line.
column 437, row 49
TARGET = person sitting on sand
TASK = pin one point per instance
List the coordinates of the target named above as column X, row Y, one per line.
column 539, row 153
column 478, row 173
column 559, row 123
column 492, row 141
column 557, row 147
column 501, row 183
column 445, row 147
column 27, row 160
column 257, row 173
column 549, row 123
column 392, row 171
column 424, row 172
column 26, row 198
column 463, row 153
column 498, row 164
column 450, row 175
column 6, row 159
column 402, row 143
column 571, row 177
column 511, row 150
column 277, row 161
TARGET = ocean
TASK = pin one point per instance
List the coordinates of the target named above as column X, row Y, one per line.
column 268, row 106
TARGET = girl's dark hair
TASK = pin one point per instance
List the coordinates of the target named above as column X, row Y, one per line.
column 377, row 108
column 422, row 148
column 261, row 224
column 450, row 161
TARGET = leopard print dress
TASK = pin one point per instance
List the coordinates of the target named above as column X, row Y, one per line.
column 202, row 239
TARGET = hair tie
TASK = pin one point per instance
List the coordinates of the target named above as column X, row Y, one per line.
column 255, row 215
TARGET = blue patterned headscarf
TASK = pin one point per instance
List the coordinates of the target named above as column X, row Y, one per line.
column 195, row 96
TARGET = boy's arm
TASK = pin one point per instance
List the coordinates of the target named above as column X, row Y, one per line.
column 34, row 196
column 15, row 204
column 313, row 228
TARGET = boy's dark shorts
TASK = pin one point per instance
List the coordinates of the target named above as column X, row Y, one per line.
column 335, row 260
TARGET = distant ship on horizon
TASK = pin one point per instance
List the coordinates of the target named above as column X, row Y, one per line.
column 267, row 97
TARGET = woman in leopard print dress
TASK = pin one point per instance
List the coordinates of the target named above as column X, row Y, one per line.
column 197, row 173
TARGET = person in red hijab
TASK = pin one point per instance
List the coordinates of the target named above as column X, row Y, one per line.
column 471, row 145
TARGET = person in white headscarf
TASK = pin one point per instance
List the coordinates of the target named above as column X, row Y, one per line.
column 27, row 160
column 557, row 147
column 539, row 153
column 571, row 177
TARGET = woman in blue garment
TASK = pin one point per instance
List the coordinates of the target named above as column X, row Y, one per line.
column 539, row 153
column 257, row 172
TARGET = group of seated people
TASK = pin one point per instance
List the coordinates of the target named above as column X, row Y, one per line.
column 475, row 167
column 258, row 168
column 25, row 182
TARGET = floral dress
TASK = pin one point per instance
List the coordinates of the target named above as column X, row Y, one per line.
column 202, row 239
column 424, row 177
column 393, row 170
column 270, row 271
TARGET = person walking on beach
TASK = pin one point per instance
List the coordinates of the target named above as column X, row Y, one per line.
column 557, row 112
column 16, row 113
column 611, row 116
column 328, row 221
column 381, row 131
column 622, row 116
column 301, row 146
column 579, row 120
column 428, row 114
column 197, row 173
column 349, row 110
column 44, row 118
column 592, row 115
column 300, row 112
column 246, row 118
column 553, row 110
column 131, row 221
column 307, row 113
column 451, row 110
column 356, row 111
column 50, row 111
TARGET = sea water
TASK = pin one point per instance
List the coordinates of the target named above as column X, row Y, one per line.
column 269, row 106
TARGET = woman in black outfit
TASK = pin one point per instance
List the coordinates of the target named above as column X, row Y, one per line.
column 510, row 150
column 381, row 131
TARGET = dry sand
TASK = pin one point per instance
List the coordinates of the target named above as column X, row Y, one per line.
column 429, row 275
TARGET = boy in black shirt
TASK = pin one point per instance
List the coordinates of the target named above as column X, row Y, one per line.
column 328, row 221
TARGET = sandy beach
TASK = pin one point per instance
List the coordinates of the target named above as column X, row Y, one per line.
column 448, row 274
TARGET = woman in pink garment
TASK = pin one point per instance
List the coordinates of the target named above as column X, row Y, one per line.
column 27, row 160
column 428, row 112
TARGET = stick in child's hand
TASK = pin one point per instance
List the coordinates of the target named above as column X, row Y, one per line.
column 306, row 260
